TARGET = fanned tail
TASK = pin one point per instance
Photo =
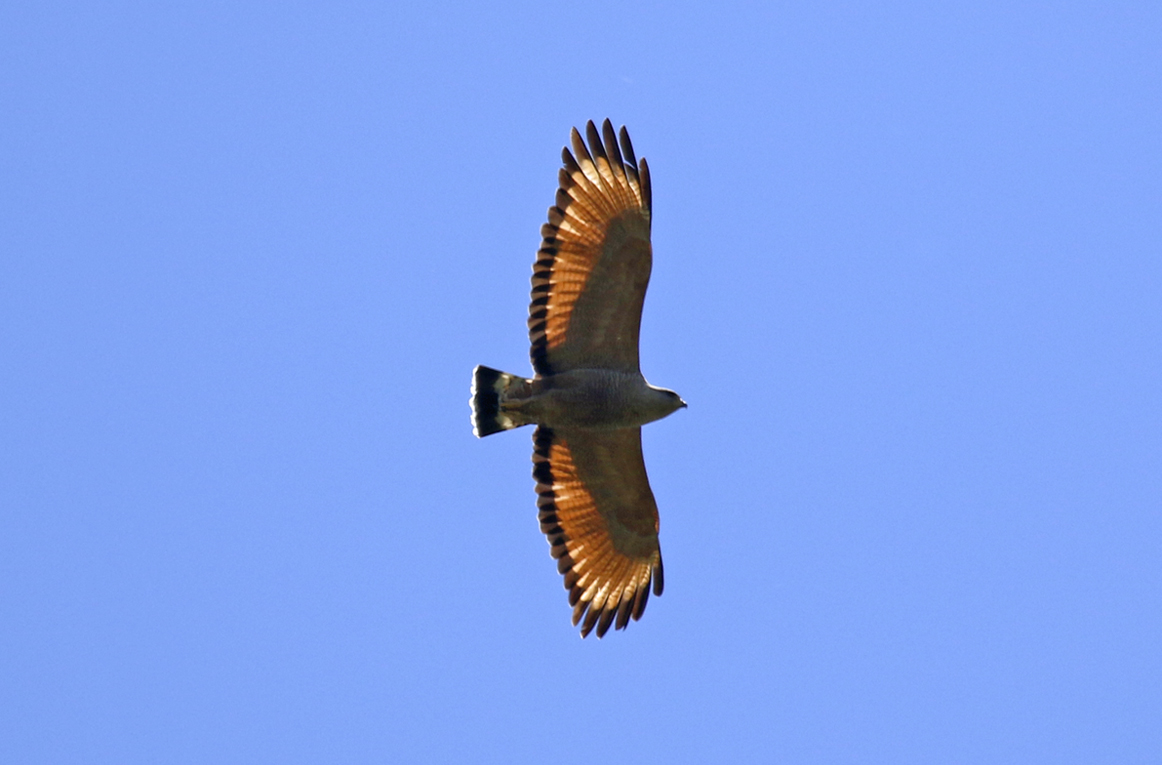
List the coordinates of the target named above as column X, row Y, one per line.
column 489, row 387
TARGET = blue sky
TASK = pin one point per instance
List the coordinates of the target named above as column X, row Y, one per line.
column 908, row 270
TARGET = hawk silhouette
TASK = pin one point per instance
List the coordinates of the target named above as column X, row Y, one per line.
column 588, row 398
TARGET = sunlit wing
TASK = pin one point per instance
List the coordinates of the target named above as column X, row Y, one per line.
column 592, row 270
column 598, row 512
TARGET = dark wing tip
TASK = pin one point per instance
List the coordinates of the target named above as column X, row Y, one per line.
column 591, row 617
column 647, row 191
column 606, row 619
column 610, row 141
column 640, row 598
column 624, row 609
column 580, row 151
column 595, row 146
column 627, row 146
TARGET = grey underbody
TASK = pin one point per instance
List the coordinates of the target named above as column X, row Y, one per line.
column 590, row 398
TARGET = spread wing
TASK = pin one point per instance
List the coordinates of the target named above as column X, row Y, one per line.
column 591, row 273
column 599, row 514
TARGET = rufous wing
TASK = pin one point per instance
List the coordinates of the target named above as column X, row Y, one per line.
column 593, row 267
column 598, row 512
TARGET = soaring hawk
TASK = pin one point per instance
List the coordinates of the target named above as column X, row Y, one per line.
column 588, row 398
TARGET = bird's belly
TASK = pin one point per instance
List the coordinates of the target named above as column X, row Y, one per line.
column 597, row 399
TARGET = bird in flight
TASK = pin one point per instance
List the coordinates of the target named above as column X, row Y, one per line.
column 588, row 398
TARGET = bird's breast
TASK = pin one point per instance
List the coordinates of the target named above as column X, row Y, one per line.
column 593, row 398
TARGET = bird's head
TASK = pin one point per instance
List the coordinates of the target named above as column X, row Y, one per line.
column 673, row 401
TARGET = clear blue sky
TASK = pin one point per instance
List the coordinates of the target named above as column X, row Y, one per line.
column 908, row 275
